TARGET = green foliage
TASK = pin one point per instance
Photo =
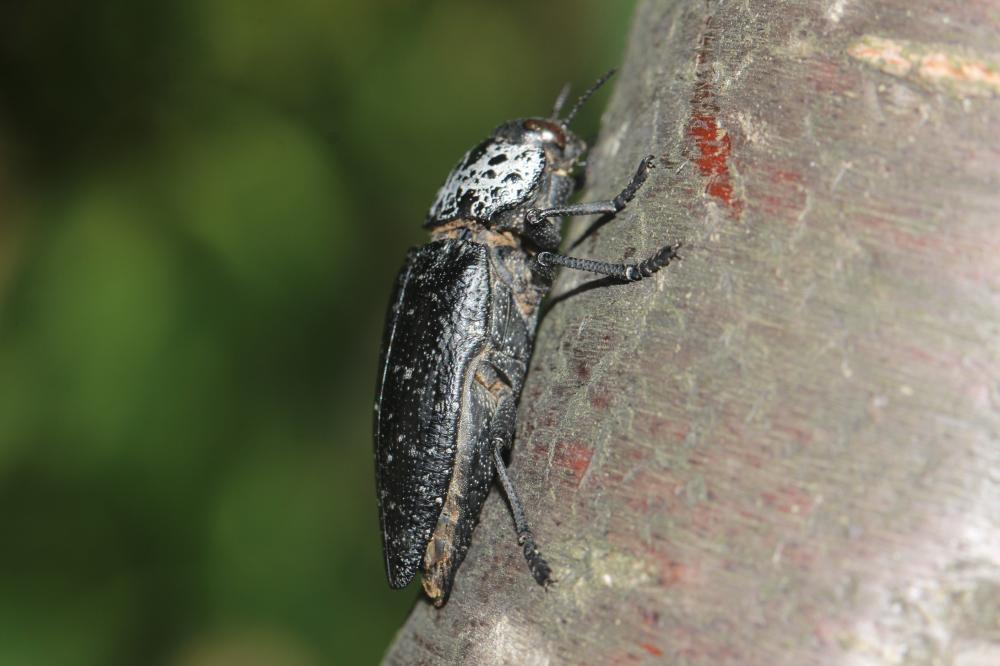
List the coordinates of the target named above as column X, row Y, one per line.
column 202, row 206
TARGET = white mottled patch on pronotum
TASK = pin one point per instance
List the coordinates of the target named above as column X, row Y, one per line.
column 490, row 178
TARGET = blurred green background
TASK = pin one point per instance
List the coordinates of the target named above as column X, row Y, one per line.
column 203, row 204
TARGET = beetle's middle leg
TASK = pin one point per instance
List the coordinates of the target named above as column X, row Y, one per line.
column 622, row 271
column 501, row 433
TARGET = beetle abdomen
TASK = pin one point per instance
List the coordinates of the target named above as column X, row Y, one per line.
column 437, row 325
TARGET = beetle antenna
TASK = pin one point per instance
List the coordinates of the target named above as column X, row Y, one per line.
column 560, row 100
column 585, row 96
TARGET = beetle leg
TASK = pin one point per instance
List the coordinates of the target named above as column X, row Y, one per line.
column 511, row 371
column 623, row 271
column 543, row 234
column 536, row 563
column 535, row 216
column 501, row 431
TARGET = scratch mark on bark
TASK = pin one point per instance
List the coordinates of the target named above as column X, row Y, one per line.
column 948, row 69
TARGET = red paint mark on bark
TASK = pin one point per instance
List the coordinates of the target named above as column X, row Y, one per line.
column 780, row 192
column 672, row 572
column 600, row 400
column 575, row 457
column 712, row 144
column 651, row 649
column 714, row 148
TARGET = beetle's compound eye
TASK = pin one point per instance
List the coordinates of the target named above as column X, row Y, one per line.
column 550, row 132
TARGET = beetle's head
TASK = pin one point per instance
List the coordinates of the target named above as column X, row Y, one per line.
column 552, row 134
column 562, row 147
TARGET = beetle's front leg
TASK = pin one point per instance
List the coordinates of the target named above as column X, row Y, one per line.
column 501, row 432
column 535, row 216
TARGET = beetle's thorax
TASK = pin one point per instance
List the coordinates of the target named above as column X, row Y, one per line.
column 508, row 228
column 524, row 163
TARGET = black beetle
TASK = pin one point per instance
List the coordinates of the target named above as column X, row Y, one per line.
column 459, row 334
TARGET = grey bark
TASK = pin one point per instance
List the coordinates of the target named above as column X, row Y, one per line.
column 784, row 449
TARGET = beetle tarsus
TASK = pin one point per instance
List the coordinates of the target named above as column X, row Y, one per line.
column 627, row 194
column 536, row 563
column 657, row 261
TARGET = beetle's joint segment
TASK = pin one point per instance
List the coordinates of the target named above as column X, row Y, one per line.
column 491, row 380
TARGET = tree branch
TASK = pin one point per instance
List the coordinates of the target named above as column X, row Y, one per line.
column 783, row 449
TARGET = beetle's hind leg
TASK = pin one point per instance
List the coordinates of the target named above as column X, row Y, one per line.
column 539, row 567
column 500, row 435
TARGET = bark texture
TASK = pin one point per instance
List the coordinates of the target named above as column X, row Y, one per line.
column 784, row 449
